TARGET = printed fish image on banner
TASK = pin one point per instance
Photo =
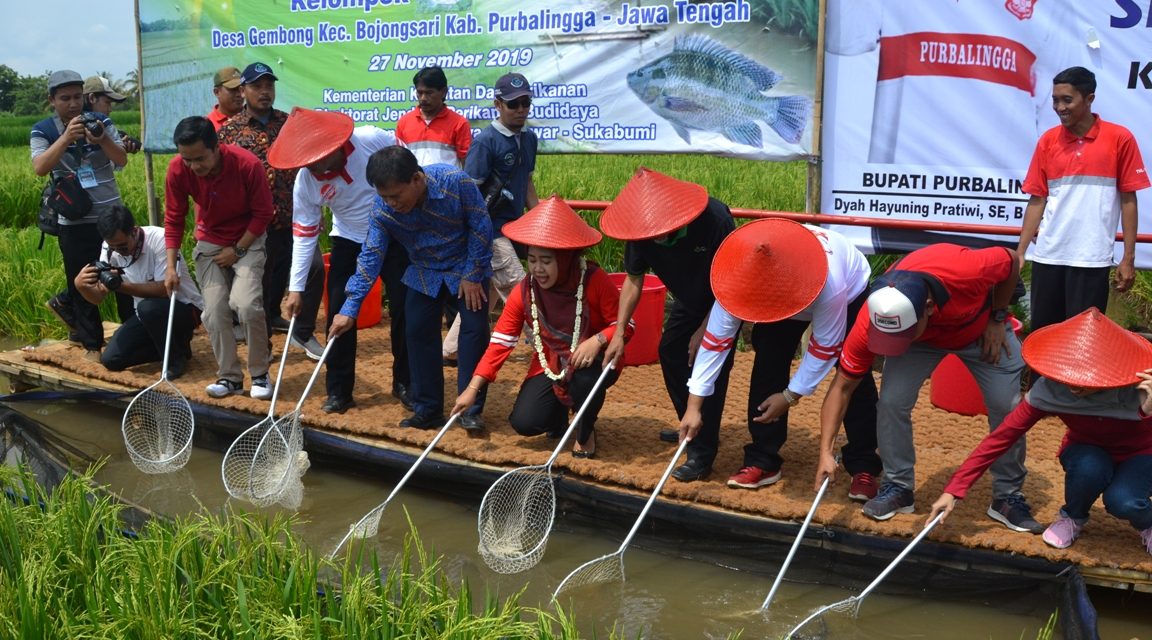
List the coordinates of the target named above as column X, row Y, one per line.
column 703, row 85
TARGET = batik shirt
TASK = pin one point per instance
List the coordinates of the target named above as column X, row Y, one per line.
column 245, row 130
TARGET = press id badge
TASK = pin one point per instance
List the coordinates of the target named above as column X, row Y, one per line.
column 86, row 176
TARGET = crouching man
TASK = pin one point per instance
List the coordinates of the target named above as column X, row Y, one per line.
column 133, row 261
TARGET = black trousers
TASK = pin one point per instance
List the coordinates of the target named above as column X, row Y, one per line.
column 341, row 361
column 537, row 409
column 80, row 246
column 140, row 338
column 278, row 270
column 775, row 344
column 1060, row 292
column 681, row 324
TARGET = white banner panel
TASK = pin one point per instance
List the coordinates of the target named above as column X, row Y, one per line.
column 933, row 107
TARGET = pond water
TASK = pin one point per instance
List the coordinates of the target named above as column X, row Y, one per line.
column 664, row 596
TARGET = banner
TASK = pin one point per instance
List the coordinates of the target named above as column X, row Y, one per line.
column 933, row 108
column 670, row 76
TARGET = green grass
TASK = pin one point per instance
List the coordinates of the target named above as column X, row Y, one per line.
column 14, row 130
column 67, row 571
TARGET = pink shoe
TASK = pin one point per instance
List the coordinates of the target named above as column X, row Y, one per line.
column 1062, row 533
column 1146, row 536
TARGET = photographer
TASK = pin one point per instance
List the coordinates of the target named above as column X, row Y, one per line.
column 133, row 261
column 84, row 149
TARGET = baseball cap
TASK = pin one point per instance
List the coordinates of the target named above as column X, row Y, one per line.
column 63, row 77
column 99, row 84
column 511, row 86
column 255, row 71
column 227, row 77
column 895, row 306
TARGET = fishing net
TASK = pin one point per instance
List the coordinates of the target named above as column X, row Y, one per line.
column 516, row 518
column 610, row 567
column 369, row 524
column 158, row 423
column 517, row 512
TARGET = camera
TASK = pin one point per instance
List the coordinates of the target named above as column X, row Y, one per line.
column 108, row 275
column 92, row 124
column 494, row 193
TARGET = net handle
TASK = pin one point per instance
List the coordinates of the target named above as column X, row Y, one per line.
column 796, row 544
column 168, row 335
column 579, row 414
column 315, row 371
column 883, row 574
column 655, row 493
column 280, row 373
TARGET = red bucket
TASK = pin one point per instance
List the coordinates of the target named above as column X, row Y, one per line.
column 370, row 311
column 953, row 387
column 644, row 347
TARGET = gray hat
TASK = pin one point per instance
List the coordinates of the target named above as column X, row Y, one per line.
column 60, row 78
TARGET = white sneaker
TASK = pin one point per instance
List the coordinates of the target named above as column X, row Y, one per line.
column 224, row 387
column 311, row 346
column 261, row 389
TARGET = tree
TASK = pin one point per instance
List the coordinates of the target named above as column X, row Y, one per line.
column 132, row 84
column 30, row 95
column 8, row 81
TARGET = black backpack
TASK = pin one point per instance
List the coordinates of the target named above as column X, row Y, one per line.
column 62, row 195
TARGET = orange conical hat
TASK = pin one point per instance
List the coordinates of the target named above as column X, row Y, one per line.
column 308, row 136
column 652, row 204
column 769, row 270
column 552, row 224
column 1088, row 350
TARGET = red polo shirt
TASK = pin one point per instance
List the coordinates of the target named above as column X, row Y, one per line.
column 444, row 140
column 968, row 276
column 235, row 200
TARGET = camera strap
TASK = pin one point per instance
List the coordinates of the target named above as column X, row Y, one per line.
column 135, row 254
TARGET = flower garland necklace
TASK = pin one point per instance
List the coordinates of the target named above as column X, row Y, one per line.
column 538, row 346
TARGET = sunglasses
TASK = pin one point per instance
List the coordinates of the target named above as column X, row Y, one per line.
column 518, row 103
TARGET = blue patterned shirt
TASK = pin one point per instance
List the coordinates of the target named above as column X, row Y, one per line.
column 448, row 237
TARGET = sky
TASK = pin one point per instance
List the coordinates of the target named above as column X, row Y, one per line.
column 85, row 36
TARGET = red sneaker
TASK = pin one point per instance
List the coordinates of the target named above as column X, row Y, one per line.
column 753, row 478
column 863, row 487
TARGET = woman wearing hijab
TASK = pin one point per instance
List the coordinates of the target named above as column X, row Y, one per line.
column 1097, row 379
column 570, row 305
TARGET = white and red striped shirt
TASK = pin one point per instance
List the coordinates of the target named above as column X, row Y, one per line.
column 848, row 273
column 348, row 195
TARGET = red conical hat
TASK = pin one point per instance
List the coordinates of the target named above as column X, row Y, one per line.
column 1088, row 350
column 652, row 204
column 769, row 270
column 308, row 136
column 552, row 224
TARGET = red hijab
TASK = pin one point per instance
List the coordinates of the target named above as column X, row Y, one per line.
column 556, row 312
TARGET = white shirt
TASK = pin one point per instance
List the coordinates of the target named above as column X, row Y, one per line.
column 152, row 266
column 848, row 273
column 351, row 203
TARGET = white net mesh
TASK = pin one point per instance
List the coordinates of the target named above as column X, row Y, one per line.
column 602, row 570
column 516, row 518
column 157, row 427
column 264, row 465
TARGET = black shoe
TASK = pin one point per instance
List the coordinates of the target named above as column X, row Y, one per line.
column 176, row 366
column 279, row 324
column 63, row 311
column 692, row 471
column 669, row 435
column 400, row 392
column 336, row 404
column 426, row 421
column 472, row 423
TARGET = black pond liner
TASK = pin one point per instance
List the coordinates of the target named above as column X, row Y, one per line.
column 1017, row 584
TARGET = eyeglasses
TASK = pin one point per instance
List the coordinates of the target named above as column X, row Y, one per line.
column 518, row 103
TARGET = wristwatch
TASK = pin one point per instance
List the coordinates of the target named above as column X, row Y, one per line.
column 792, row 398
column 240, row 252
column 601, row 339
column 999, row 315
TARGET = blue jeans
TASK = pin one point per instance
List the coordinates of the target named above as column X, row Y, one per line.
column 422, row 330
column 1090, row 472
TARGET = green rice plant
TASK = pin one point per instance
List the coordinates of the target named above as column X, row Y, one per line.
column 68, row 570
